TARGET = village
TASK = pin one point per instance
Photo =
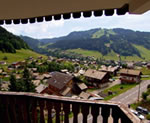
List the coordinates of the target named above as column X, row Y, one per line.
column 74, row 78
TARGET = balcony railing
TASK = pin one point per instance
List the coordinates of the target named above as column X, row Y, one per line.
column 34, row 108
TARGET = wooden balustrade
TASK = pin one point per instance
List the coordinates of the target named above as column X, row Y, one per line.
column 36, row 108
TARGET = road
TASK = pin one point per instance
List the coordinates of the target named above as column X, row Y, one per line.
column 131, row 95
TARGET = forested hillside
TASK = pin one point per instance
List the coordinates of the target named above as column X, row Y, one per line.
column 10, row 43
column 104, row 40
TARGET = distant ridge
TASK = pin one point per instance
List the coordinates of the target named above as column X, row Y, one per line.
column 119, row 41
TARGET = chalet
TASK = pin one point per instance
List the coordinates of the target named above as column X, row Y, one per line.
column 36, row 82
column 1, row 71
column 15, row 64
column 79, row 87
column 60, row 84
column 130, row 65
column 84, row 95
column 41, row 89
column 2, row 62
column 130, row 76
column 148, row 65
column 111, row 70
column 97, row 78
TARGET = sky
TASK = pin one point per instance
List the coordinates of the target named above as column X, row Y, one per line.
column 63, row 27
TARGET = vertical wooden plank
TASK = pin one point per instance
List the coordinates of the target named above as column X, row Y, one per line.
column 25, row 111
column 95, row 112
column 66, row 108
column 34, row 110
column 6, row 108
column 85, row 112
column 75, row 110
column 13, row 109
column 105, row 112
column 42, row 104
column 57, row 107
column 49, row 107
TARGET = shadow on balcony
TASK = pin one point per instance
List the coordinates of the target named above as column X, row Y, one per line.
column 33, row 108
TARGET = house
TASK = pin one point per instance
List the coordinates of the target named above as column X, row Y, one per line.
column 15, row 64
column 130, row 65
column 130, row 76
column 36, row 82
column 97, row 78
column 1, row 71
column 60, row 84
column 148, row 65
column 79, row 87
column 41, row 89
column 111, row 70
column 84, row 95
column 2, row 62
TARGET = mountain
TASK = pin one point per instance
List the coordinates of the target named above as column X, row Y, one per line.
column 33, row 43
column 120, row 41
column 10, row 43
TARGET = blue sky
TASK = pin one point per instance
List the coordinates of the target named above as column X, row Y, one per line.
column 63, row 27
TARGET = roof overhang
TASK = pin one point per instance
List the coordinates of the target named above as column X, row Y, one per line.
column 35, row 10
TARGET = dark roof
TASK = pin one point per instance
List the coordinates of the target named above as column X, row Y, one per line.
column 59, row 80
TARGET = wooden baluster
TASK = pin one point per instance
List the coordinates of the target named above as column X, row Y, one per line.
column 41, row 104
column 57, row 107
column 34, row 110
column 105, row 112
column 66, row 108
column 115, row 114
column 75, row 110
column 49, row 107
column 85, row 112
column 95, row 112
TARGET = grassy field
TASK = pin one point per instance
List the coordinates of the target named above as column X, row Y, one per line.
column 19, row 55
column 145, row 54
column 117, row 91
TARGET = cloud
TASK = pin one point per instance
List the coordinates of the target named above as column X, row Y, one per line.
column 37, row 30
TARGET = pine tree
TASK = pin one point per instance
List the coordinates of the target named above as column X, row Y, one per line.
column 13, row 83
column 28, row 85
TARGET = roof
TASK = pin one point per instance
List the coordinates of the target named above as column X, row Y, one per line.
column 40, row 88
column 84, row 95
column 82, row 86
column 66, row 91
column 109, row 69
column 59, row 80
column 22, row 10
column 95, row 74
column 130, row 72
